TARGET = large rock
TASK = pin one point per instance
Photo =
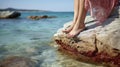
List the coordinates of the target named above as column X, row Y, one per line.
column 15, row 61
column 40, row 17
column 100, row 44
column 9, row 14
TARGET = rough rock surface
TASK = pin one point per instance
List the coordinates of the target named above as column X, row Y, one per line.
column 15, row 61
column 9, row 14
column 100, row 44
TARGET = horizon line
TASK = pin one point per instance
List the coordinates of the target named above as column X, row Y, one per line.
column 35, row 9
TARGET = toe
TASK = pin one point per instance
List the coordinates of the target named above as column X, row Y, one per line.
column 70, row 36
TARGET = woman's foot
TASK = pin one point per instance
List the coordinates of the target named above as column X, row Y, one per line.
column 69, row 28
column 74, row 33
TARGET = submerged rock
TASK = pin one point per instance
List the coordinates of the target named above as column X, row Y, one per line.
column 100, row 44
column 15, row 61
column 40, row 17
column 9, row 14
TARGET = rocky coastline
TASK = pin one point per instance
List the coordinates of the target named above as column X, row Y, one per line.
column 99, row 44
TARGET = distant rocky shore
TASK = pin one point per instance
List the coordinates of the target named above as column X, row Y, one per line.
column 9, row 14
column 23, row 10
column 16, row 14
column 40, row 17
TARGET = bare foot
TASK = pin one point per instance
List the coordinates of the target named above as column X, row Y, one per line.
column 69, row 28
column 74, row 33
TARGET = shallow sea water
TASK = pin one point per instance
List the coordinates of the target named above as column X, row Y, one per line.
column 32, row 39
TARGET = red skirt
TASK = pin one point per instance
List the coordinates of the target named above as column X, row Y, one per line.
column 100, row 9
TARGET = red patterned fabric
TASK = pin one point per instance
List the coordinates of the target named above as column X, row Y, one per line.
column 100, row 9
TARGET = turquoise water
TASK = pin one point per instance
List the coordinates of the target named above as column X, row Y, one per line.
column 32, row 38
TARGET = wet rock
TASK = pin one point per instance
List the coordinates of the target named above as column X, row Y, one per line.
column 100, row 44
column 16, row 61
column 9, row 14
column 40, row 17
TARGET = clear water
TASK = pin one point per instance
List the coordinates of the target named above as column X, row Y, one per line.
column 32, row 38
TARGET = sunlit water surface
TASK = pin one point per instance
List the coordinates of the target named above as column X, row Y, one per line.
column 32, row 38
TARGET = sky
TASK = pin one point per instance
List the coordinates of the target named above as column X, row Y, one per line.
column 52, row 5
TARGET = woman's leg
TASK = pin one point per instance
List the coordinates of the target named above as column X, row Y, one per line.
column 76, row 8
column 79, row 25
